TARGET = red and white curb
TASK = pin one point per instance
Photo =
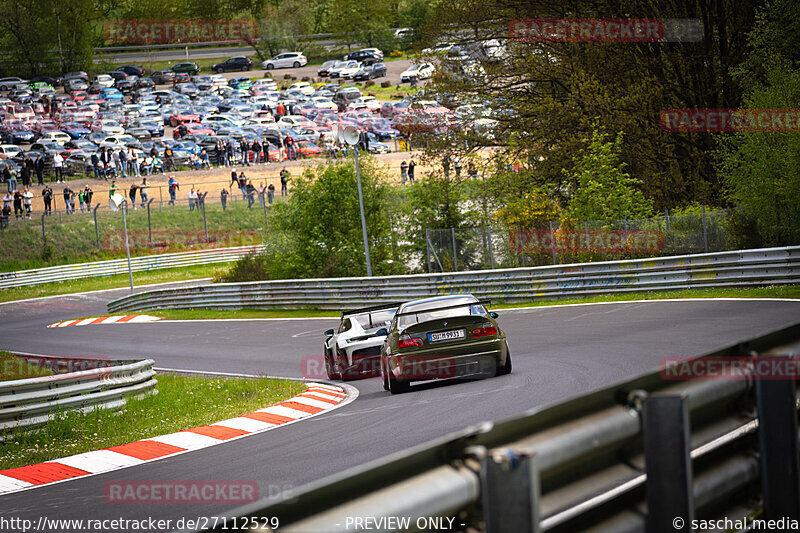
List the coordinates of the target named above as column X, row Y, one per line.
column 117, row 319
column 318, row 398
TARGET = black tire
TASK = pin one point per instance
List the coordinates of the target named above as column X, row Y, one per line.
column 247, row 68
column 384, row 378
column 270, row 66
column 329, row 367
column 397, row 386
column 296, row 64
column 505, row 369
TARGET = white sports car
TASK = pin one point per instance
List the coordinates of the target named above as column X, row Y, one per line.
column 353, row 350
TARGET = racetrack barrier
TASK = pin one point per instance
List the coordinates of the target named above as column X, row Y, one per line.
column 650, row 454
column 35, row 401
column 112, row 267
column 738, row 269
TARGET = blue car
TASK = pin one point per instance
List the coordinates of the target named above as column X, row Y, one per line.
column 110, row 93
column 155, row 129
column 75, row 130
column 19, row 136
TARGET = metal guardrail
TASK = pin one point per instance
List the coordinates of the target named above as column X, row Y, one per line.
column 34, row 401
column 119, row 266
column 746, row 268
column 650, row 454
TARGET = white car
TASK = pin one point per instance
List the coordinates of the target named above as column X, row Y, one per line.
column 350, row 69
column 285, row 60
column 353, row 350
column 104, row 80
column 292, row 121
column 302, row 86
column 265, row 83
column 320, row 102
column 372, row 103
column 223, row 121
column 218, row 80
column 110, row 127
column 9, row 150
column 55, row 136
column 420, row 72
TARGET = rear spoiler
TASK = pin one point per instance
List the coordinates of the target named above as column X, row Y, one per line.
column 479, row 302
column 386, row 307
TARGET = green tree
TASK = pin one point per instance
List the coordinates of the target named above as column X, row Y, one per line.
column 317, row 233
column 603, row 190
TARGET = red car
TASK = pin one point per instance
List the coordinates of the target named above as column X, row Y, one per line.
column 193, row 128
column 181, row 117
column 309, row 149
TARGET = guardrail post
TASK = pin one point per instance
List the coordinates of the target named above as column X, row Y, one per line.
column 44, row 235
column 149, row 225
column 666, row 218
column 96, row 229
column 127, row 246
column 509, row 493
column 777, row 440
column 705, row 231
column 455, row 260
column 669, row 488
column 552, row 241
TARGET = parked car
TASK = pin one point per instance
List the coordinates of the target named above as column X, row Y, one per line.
column 103, row 81
column 438, row 48
column 363, row 56
column 285, row 60
column 6, row 84
column 132, row 70
column 376, row 70
column 186, row 67
column 325, row 67
column 163, row 76
column 233, row 64
column 420, row 72
column 442, row 338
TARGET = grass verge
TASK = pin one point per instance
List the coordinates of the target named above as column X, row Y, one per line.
column 181, row 403
column 113, row 282
column 766, row 292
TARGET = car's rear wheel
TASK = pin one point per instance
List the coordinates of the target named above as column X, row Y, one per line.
column 384, row 378
column 296, row 64
column 504, row 369
column 270, row 66
column 246, row 68
column 397, row 386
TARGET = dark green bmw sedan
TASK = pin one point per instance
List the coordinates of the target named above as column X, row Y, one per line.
column 442, row 338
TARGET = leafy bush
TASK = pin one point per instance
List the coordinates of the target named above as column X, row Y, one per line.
column 252, row 267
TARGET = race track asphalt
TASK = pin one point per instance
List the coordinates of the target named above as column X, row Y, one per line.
column 559, row 352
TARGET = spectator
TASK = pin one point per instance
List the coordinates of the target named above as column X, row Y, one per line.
column 87, row 195
column 446, row 166
column 10, row 178
column 291, row 151
column 243, row 185
column 257, row 155
column 25, row 173
column 58, row 168
column 72, row 201
column 5, row 214
column 457, row 166
column 122, row 167
column 265, row 149
column 262, row 189
column 192, row 199
column 219, row 150
column 132, row 194
column 143, row 191
column 229, row 152
column 67, row 192
column 82, row 200
column 17, row 204
column 158, row 166
column 113, row 189
column 173, row 187
column 154, row 151
column 169, row 159
column 234, row 177
column 245, row 149
column 133, row 162
column 270, row 193
column 147, row 165
column 27, row 196
column 280, row 110
column 404, row 171
column 98, row 170
column 250, row 192
column 105, row 158
column 223, row 198
column 38, row 166
column 204, row 158
column 47, row 198
column 195, row 162
column 8, row 199
column 284, row 182
column 411, row 166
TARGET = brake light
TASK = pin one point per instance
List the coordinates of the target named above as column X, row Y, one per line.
column 407, row 342
column 484, row 331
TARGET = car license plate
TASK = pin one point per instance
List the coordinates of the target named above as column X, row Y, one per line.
column 447, row 335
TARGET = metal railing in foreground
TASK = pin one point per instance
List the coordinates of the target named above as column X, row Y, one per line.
column 649, row 455
column 34, row 401
column 746, row 268
column 111, row 267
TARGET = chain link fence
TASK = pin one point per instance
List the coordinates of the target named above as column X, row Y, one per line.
column 483, row 248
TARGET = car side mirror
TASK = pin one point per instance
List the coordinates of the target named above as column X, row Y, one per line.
column 382, row 331
column 329, row 333
column 493, row 314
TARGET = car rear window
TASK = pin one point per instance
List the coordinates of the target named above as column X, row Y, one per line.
column 425, row 311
